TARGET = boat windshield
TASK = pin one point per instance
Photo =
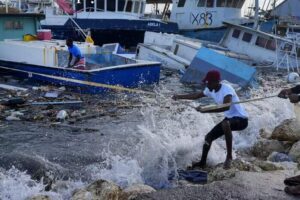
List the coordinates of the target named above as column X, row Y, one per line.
column 131, row 6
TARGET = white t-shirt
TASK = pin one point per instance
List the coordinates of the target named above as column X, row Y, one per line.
column 236, row 110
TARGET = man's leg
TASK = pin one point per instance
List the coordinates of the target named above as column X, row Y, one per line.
column 229, row 125
column 215, row 133
column 228, row 138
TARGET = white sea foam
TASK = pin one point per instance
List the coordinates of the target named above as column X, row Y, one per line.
column 17, row 185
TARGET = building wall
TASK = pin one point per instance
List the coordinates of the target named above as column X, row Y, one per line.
column 12, row 27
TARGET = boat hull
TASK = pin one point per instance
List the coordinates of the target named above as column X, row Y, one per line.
column 88, row 81
column 126, row 32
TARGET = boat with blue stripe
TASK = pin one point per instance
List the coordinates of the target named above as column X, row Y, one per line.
column 107, row 21
column 46, row 60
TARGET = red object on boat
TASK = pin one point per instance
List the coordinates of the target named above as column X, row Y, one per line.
column 66, row 6
column 44, row 34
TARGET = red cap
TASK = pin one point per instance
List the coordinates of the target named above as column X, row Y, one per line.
column 212, row 75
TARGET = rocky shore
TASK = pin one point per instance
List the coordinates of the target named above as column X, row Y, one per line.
column 257, row 172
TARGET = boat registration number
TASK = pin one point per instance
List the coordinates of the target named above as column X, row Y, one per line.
column 205, row 18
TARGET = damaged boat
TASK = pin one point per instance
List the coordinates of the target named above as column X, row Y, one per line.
column 46, row 60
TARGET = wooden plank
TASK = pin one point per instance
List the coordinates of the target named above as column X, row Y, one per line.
column 13, row 88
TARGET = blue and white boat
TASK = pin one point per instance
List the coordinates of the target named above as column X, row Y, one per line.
column 45, row 60
column 203, row 19
column 108, row 21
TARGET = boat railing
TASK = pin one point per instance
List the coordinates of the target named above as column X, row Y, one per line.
column 92, row 9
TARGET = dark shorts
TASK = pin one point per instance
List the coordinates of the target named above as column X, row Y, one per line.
column 236, row 124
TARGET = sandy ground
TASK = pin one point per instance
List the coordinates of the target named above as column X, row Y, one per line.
column 245, row 185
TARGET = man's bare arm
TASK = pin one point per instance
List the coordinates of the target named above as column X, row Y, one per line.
column 193, row 96
column 227, row 101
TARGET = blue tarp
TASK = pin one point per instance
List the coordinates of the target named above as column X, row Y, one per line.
column 194, row 176
column 231, row 69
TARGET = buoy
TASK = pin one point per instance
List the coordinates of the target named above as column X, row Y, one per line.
column 293, row 77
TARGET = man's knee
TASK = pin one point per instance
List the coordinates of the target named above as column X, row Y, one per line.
column 207, row 141
column 226, row 125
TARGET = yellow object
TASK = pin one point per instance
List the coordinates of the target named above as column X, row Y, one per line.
column 89, row 39
column 29, row 37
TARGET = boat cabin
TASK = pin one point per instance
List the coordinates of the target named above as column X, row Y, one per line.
column 16, row 25
column 261, row 47
column 205, row 13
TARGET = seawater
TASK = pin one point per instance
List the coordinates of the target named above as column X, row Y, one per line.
column 141, row 146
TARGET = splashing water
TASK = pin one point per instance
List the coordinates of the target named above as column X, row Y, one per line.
column 166, row 135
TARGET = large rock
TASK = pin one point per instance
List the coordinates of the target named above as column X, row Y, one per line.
column 263, row 148
column 132, row 191
column 99, row 190
column 279, row 157
column 295, row 152
column 265, row 133
column 267, row 166
column 218, row 173
column 39, row 197
column 288, row 130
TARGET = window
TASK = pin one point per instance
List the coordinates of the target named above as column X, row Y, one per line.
column 241, row 3
column 298, row 52
column 89, row 5
column 121, row 5
column 261, row 42
column 111, row 5
column 287, row 47
column 181, row 3
column 247, row 37
column 229, row 3
column 9, row 25
column 210, row 3
column 221, row 3
column 129, row 6
column 79, row 5
column 271, row 45
column 100, row 4
column 201, row 3
column 235, row 3
column 142, row 7
column 236, row 33
column 136, row 7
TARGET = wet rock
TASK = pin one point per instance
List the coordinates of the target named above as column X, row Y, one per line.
column 219, row 174
column 267, row 166
column 279, row 157
column 76, row 113
column 288, row 130
column 295, row 152
column 288, row 166
column 82, row 194
column 264, row 148
column 264, row 133
column 99, row 190
column 39, row 197
column 132, row 191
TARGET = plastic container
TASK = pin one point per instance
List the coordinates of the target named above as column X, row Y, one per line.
column 44, row 34
column 29, row 37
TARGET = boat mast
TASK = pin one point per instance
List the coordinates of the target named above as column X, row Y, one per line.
column 6, row 6
column 256, row 15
